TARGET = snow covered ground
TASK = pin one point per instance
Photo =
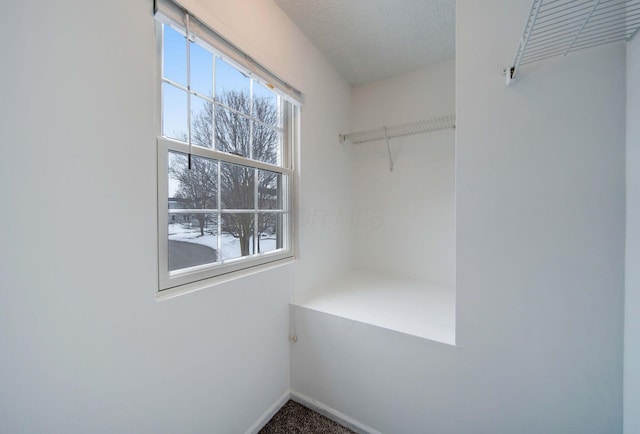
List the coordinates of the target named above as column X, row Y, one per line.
column 229, row 246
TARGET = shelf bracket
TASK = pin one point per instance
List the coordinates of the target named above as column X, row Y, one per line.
column 386, row 136
column 509, row 74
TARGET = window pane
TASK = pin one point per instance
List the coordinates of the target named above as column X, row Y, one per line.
column 201, row 122
column 232, row 86
column 201, row 69
column 219, row 207
column 232, row 132
column 270, row 230
column 174, row 112
column 265, row 105
column 194, row 188
column 269, row 190
column 237, row 235
column 193, row 240
column 266, row 144
column 174, row 56
column 237, row 186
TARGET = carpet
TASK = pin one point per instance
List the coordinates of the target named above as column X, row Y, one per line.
column 295, row 418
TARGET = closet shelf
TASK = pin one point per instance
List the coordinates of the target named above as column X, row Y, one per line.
column 559, row 27
column 407, row 129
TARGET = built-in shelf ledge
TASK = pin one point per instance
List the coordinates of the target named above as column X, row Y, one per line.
column 422, row 309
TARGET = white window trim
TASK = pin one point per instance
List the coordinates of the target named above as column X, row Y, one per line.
column 169, row 280
column 195, row 278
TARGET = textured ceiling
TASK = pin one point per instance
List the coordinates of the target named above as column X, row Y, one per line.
column 368, row 40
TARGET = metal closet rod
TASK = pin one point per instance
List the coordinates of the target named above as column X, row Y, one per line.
column 406, row 129
column 559, row 27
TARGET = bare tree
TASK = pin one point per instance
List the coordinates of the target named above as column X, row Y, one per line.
column 236, row 134
column 198, row 186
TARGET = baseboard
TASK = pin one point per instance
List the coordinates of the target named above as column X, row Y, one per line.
column 266, row 417
column 332, row 414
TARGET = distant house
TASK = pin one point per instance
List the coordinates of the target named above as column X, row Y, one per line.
column 179, row 203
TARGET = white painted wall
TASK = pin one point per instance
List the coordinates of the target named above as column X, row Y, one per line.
column 85, row 346
column 404, row 221
column 539, row 258
column 632, row 296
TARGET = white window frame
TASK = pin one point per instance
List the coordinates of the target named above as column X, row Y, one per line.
column 289, row 114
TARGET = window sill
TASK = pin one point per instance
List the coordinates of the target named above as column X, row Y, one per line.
column 178, row 291
column 422, row 309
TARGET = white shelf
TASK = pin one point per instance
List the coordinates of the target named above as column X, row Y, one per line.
column 559, row 27
column 422, row 309
column 406, row 129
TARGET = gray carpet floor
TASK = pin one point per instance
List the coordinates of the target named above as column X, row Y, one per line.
column 294, row 418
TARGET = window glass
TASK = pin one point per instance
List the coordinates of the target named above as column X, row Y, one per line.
column 195, row 187
column 265, row 105
column 237, row 235
column 201, row 122
column 266, row 140
column 269, row 190
column 201, row 69
column 174, row 65
column 266, row 144
column 269, row 232
column 232, row 87
column 237, row 186
column 232, row 132
column 174, row 112
column 192, row 240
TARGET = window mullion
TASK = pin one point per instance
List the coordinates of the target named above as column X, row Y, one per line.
column 213, row 103
column 255, row 208
column 283, row 205
column 251, row 114
column 223, row 156
column 188, row 42
column 174, row 84
column 219, row 204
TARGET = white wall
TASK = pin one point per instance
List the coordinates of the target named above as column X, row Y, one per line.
column 404, row 221
column 632, row 296
column 85, row 346
column 539, row 258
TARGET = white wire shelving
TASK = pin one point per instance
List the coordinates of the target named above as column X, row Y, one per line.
column 559, row 27
column 406, row 129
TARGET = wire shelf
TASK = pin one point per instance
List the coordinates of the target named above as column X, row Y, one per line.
column 407, row 129
column 559, row 27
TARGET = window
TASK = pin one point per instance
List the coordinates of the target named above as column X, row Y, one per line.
column 225, row 161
